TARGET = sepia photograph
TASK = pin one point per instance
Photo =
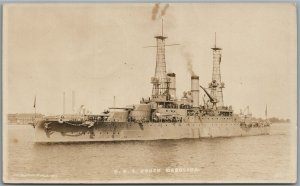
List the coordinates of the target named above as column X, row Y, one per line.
column 149, row 93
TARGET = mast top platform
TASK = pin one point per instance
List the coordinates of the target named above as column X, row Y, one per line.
column 161, row 37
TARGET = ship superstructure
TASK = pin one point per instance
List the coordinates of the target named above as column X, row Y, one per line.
column 161, row 116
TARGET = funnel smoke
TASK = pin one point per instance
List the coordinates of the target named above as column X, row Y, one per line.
column 164, row 10
column 155, row 11
column 189, row 63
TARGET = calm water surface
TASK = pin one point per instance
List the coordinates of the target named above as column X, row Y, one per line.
column 269, row 158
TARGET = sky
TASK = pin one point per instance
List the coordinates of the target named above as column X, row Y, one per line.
column 98, row 51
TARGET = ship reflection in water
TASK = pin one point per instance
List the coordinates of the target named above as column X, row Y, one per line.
column 236, row 159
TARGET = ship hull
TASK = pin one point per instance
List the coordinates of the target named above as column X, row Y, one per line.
column 124, row 131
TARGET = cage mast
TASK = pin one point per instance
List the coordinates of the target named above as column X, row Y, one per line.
column 216, row 85
column 160, row 80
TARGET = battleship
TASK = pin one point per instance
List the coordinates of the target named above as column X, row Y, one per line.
column 160, row 116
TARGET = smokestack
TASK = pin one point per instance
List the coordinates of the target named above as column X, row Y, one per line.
column 172, row 88
column 195, row 90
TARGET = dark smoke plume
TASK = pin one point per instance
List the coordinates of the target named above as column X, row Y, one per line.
column 189, row 63
column 163, row 11
column 155, row 11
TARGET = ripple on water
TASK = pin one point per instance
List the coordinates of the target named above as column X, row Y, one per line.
column 238, row 159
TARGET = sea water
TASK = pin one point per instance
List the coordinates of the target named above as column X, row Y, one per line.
column 266, row 158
